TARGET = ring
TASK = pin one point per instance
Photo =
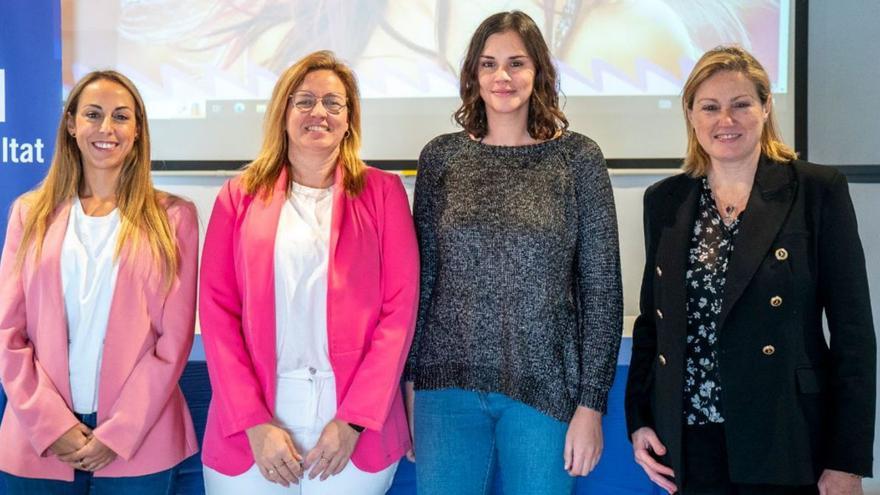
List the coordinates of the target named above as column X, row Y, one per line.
column 270, row 471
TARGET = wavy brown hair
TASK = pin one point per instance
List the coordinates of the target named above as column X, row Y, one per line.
column 140, row 205
column 260, row 175
column 733, row 59
column 545, row 117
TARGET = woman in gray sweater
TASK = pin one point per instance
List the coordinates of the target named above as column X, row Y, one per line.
column 520, row 315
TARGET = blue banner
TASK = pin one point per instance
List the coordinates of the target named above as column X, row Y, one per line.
column 30, row 95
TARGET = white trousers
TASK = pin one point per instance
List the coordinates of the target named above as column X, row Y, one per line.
column 305, row 402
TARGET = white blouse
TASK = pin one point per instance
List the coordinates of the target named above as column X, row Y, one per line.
column 88, row 277
column 302, row 245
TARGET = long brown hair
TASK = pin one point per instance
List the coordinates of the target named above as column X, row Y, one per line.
column 260, row 175
column 140, row 210
column 733, row 59
column 545, row 118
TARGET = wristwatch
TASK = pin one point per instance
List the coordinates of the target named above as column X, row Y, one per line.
column 357, row 428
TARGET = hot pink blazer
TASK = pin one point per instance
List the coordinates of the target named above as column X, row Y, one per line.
column 372, row 296
column 142, row 414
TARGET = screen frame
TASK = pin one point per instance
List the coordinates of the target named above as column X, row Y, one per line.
column 800, row 55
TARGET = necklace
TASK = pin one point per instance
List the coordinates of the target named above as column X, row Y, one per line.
column 729, row 209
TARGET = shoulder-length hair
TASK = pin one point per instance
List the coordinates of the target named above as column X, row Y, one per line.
column 545, row 118
column 142, row 215
column 260, row 175
column 733, row 59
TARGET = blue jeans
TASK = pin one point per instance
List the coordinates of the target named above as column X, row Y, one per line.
column 85, row 483
column 461, row 437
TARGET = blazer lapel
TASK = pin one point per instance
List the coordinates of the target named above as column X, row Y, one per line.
column 338, row 213
column 672, row 250
column 767, row 208
column 54, row 357
column 138, row 281
column 258, row 235
column 335, row 266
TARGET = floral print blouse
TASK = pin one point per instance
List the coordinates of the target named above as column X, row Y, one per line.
column 711, row 247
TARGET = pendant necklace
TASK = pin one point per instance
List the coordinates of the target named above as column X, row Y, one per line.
column 728, row 214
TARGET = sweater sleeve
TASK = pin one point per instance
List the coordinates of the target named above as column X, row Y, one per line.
column 598, row 289
column 425, row 215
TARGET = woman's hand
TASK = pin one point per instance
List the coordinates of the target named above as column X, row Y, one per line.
column 72, row 440
column 583, row 442
column 94, row 455
column 275, row 454
column 839, row 483
column 334, row 448
column 409, row 402
column 644, row 442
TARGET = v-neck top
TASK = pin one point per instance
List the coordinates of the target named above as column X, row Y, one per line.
column 711, row 248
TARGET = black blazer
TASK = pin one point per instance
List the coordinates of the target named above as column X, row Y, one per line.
column 793, row 405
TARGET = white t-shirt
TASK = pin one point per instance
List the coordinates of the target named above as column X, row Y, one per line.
column 88, row 277
column 301, row 254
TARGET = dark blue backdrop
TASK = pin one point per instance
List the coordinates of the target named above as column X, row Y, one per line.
column 30, row 104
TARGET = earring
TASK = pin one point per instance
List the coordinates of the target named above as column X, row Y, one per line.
column 73, row 134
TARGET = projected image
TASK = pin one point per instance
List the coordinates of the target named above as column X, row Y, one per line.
column 188, row 56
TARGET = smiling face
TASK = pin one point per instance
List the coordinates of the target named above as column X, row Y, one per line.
column 104, row 125
column 506, row 75
column 316, row 130
column 728, row 118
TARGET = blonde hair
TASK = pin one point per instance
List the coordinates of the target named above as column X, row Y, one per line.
column 261, row 174
column 733, row 59
column 140, row 209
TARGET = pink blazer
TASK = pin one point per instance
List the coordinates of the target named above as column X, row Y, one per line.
column 372, row 296
column 142, row 414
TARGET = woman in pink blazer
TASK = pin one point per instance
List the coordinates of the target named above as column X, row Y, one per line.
column 309, row 287
column 97, row 308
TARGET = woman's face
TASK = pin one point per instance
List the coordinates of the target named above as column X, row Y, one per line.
column 104, row 125
column 506, row 75
column 728, row 118
column 317, row 129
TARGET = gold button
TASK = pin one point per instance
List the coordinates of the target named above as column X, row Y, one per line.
column 659, row 271
column 768, row 350
column 661, row 359
column 659, row 314
column 781, row 254
column 775, row 301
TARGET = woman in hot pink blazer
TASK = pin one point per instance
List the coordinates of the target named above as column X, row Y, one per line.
column 141, row 427
column 310, row 150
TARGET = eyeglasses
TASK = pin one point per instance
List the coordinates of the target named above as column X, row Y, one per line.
column 305, row 102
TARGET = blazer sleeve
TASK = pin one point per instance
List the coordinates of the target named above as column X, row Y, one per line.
column 599, row 290
column 377, row 380
column 843, row 291
column 157, row 372
column 237, row 392
column 640, row 380
column 32, row 395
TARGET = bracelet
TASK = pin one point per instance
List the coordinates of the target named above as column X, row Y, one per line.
column 357, row 428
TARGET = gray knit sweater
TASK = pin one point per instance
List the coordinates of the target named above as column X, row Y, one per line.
column 520, row 272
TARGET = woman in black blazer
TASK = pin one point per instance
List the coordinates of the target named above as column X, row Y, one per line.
column 732, row 386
